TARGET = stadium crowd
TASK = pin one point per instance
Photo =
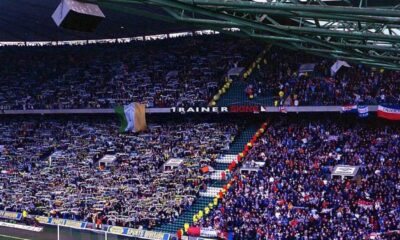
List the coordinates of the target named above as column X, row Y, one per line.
column 179, row 72
column 51, row 167
column 283, row 78
column 294, row 195
column 163, row 73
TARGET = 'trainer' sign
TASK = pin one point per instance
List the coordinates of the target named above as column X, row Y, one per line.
column 230, row 109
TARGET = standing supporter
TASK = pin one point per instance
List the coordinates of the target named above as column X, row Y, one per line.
column 133, row 190
column 294, row 195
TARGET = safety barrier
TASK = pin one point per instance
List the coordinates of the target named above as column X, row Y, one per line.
column 256, row 109
column 106, row 230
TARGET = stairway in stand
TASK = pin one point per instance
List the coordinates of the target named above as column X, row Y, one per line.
column 236, row 96
column 203, row 201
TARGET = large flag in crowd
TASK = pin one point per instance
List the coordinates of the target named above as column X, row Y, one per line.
column 133, row 117
column 363, row 111
column 391, row 113
column 337, row 65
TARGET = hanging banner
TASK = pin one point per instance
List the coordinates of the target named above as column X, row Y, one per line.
column 10, row 215
column 307, row 67
column 138, row 233
column 390, row 113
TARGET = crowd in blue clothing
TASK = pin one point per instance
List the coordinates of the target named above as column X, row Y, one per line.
column 294, row 195
column 358, row 84
column 179, row 72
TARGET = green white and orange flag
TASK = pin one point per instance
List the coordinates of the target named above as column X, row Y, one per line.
column 133, row 117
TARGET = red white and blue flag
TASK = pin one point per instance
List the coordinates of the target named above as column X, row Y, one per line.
column 390, row 113
column 349, row 108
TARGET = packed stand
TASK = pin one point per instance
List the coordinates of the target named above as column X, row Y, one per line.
column 294, row 195
column 53, row 167
column 279, row 76
column 163, row 73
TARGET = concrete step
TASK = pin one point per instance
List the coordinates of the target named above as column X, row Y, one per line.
column 227, row 158
column 211, row 192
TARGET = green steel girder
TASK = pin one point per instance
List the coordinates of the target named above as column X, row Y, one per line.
column 314, row 15
column 358, row 34
column 321, row 53
column 235, row 20
column 298, row 7
column 342, row 34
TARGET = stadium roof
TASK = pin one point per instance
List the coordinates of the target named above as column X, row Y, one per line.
column 340, row 29
column 30, row 20
column 361, row 31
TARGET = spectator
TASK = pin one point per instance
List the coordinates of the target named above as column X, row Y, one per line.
column 294, row 196
column 355, row 85
column 132, row 191
column 164, row 73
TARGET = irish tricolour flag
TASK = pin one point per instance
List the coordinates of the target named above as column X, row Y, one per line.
column 132, row 116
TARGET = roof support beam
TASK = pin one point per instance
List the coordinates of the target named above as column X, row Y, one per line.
column 358, row 34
